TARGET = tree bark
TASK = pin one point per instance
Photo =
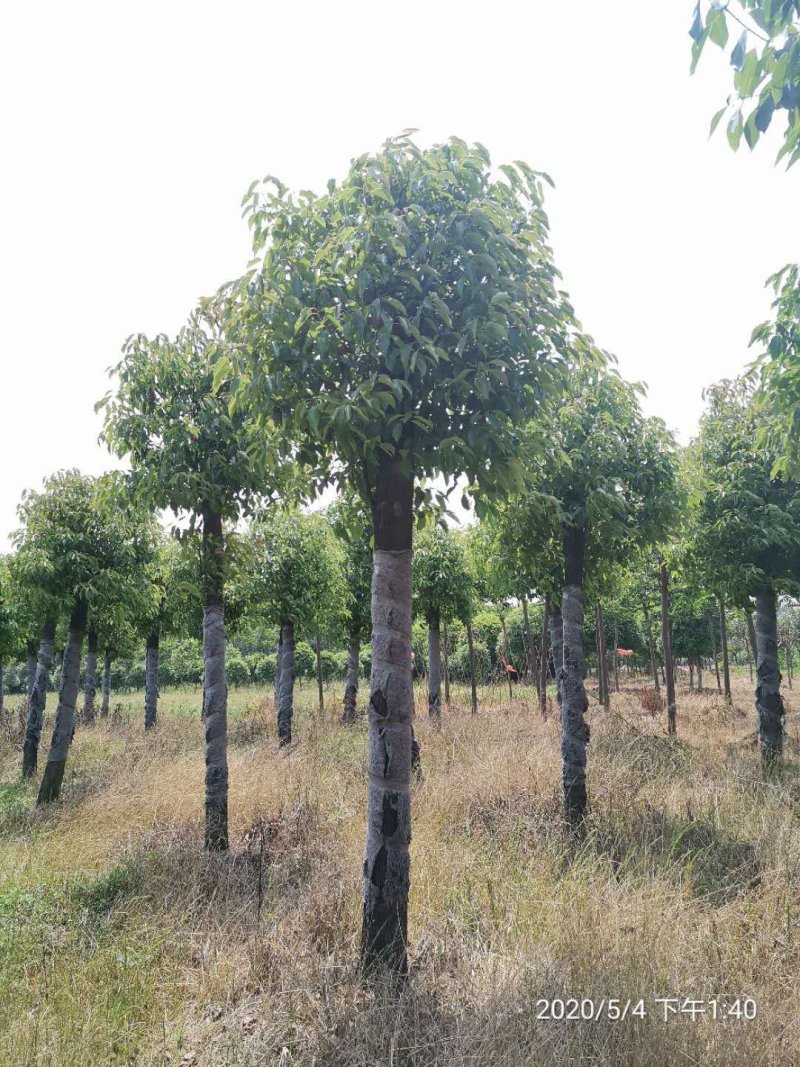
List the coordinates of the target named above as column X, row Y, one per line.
column 434, row 668
column 505, row 657
column 666, row 640
column 286, row 690
column 557, row 646
column 106, row 697
column 574, row 703
column 151, row 681
column 386, row 857
column 473, row 683
column 37, row 701
column 351, row 683
column 90, row 678
column 32, row 663
column 278, row 658
column 446, row 664
column 215, row 688
column 318, row 650
column 543, row 658
column 700, row 674
column 64, row 725
column 769, row 703
column 602, row 665
column 726, row 667
column 751, row 633
column 652, row 646
column 715, row 647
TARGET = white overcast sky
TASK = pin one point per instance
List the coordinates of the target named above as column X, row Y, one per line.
column 130, row 132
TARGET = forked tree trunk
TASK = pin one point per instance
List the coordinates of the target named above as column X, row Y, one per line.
column 286, row 690
column 90, row 678
column 726, row 667
column 472, row 680
column 215, row 688
column 37, row 701
column 574, row 703
column 64, row 725
column 666, row 640
column 652, row 647
column 105, row 703
column 446, row 664
column 557, row 646
column 351, row 683
column 151, row 681
column 543, row 663
column 391, row 703
column 318, row 650
column 434, row 668
column 769, row 703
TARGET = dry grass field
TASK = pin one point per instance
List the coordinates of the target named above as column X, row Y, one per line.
column 121, row 942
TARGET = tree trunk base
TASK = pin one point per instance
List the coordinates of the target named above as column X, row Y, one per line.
column 216, row 839
column 50, row 788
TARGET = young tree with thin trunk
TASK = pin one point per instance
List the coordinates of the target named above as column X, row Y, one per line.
column 194, row 452
column 298, row 585
column 409, row 319
column 79, row 544
column 352, row 525
column 442, row 590
column 609, row 486
column 746, row 519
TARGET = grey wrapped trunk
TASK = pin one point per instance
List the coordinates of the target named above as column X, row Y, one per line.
column 769, row 703
column 64, row 725
column 574, row 703
column 434, row 667
column 215, row 688
column 151, row 681
column 90, row 678
column 351, row 682
column 37, row 700
column 286, row 685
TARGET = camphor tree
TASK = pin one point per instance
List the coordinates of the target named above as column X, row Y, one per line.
column 192, row 451
column 400, row 325
column 79, row 544
column 748, row 523
column 442, row 592
column 610, row 483
column 352, row 525
column 766, row 64
column 297, row 586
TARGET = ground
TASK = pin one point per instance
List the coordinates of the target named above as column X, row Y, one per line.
column 121, row 942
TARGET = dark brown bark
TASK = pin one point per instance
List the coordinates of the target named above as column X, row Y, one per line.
column 666, row 638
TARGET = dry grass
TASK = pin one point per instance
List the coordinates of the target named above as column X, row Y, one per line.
column 121, row 942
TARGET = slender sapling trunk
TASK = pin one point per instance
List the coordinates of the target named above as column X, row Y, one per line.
column 64, row 725
column 38, row 698
column 151, row 681
column 286, row 690
column 351, row 682
column 666, row 640
column 769, row 703
column 90, row 678
column 434, row 667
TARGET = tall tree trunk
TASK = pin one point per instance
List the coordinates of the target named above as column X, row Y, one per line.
column 700, row 674
column 543, row 657
column 715, row 646
column 574, row 703
column 616, row 656
column 557, row 646
column 64, row 725
column 473, row 683
column 505, row 657
column 751, row 633
column 90, row 678
column 652, row 647
column 384, row 932
column 37, row 701
column 215, row 688
column 434, row 667
column 769, row 703
column 318, row 650
column 286, row 691
column 278, row 658
column 530, row 653
column 691, row 673
column 32, row 663
column 604, row 657
column 106, row 698
column 726, row 667
column 351, row 683
column 446, row 662
column 151, row 681
column 666, row 640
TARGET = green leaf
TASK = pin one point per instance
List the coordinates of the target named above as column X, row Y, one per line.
column 738, row 53
column 716, row 120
